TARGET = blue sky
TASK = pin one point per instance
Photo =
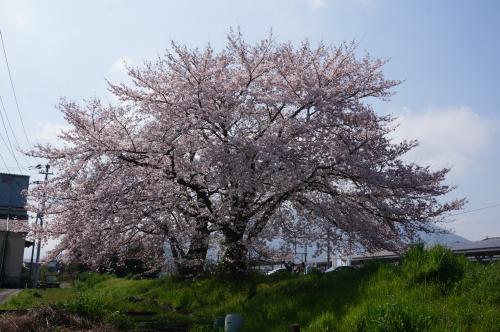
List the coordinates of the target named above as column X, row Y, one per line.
column 447, row 53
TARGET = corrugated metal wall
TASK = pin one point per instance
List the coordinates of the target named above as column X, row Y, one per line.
column 11, row 259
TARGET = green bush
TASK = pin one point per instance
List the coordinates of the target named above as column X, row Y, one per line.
column 326, row 322
column 132, row 276
column 389, row 317
column 87, row 306
column 481, row 283
column 437, row 264
column 90, row 280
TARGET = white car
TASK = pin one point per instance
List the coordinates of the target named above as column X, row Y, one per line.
column 340, row 268
column 278, row 270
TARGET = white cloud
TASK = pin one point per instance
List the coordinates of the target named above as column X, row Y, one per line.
column 449, row 137
column 476, row 227
column 21, row 21
column 118, row 70
column 367, row 3
column 118, row 73
column 18, row 15
column 47, row 133
column 319, row 4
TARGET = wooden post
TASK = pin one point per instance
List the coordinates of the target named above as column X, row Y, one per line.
column 294, row 328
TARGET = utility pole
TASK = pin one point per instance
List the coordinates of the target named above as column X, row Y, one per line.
column 33, row 254
column 350, row 251
column 295, row 246
column 39, row 217
column 328, row 248
column 305, row 254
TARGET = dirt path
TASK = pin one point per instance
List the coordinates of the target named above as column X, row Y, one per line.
column 5, row 294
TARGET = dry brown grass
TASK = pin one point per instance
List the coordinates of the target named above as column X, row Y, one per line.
column 47, row 319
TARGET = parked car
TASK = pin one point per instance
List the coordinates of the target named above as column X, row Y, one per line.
column 50, row 282
column 340, row 268
column 312, row 269
column 277, row 271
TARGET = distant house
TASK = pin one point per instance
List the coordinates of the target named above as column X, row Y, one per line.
column 12, row 215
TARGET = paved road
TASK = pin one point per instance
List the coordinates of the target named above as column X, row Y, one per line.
column 5, row 294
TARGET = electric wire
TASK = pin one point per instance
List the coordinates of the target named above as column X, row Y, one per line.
column 14, row 90
column 3, row 161
column 9, row 143
column 475, row 210
column 5, row 127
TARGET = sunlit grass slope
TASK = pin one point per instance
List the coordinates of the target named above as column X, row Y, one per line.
column 430, row 291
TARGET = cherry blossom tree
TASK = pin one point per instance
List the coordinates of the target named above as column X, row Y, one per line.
column 231, row 143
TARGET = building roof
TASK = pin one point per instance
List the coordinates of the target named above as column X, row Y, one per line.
column 469, row 247
column 486, row 244
column 14, row 174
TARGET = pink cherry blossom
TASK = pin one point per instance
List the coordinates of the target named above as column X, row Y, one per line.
column 235, row 146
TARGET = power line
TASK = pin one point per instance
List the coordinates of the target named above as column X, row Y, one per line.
column 3, row 160
column 8, row 122
column 478, row 209
column 9, row 145
column 14, row 91
column 4, row 163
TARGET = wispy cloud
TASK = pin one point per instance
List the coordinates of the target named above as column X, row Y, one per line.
column 449, row 137
column 21, row 21
column 118, row 70
column 18, row 15
column 47, row 133
column 118, row 73
column 319, row 4
column 119, row 66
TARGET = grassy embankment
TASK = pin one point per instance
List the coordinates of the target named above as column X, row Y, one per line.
column 430, row 291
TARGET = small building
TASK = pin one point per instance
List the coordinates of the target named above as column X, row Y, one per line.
column 13, row 215
column 12, row 246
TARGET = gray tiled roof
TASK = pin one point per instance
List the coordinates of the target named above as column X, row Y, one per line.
column 488, row 243
column 492, row 243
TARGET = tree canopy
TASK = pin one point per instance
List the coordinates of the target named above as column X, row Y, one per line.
column 235, row 146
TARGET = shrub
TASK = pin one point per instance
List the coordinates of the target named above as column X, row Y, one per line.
column 86, row 306
column 437, row 264
column 325, row 322
column 131, row 276
column 481, row 283
column 90, row 280
column 389, row 317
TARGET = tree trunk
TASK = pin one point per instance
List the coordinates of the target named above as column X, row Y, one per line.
column 191, row 265
column 234, row 258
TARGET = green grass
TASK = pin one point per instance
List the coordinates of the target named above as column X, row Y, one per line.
column 430, row 291
column 30, row 298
